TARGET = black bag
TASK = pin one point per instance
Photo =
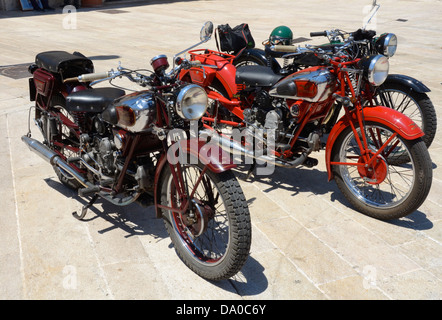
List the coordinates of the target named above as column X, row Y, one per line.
column 236, row 39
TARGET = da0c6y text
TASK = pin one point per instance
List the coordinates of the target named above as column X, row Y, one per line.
column 248, row 309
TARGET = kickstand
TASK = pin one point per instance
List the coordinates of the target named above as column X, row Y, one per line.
column 252, row 168
column 85, row 207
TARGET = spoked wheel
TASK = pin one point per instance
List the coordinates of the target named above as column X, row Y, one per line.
column 380, row 188
column 415, row 105
column 62, row 138
column 248, row 61
column 213, row 236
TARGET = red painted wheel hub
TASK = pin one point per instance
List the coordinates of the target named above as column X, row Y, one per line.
column 374, row 173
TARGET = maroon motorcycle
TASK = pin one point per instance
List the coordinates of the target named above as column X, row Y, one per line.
column 136, row 147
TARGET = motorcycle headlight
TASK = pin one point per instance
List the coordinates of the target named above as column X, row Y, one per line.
column 386, row 44
column 191, row 103
column 375, row 69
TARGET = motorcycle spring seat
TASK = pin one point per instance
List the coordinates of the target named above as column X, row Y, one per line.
column 92, row 100
column 256, row 76
column 67, row 64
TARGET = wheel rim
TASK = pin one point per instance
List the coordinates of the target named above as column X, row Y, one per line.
column 206, row 235
column 381, row 185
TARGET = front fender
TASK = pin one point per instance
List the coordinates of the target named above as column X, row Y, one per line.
column 391, row 118
column 407, row 81
column 190, row 151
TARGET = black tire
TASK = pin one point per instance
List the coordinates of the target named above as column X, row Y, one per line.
column 57, row 105
column 245, row 60
column 389, row 191
column 218, row 250
column 417, row 106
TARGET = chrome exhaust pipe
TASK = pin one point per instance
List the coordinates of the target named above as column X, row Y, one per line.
column 235, row 148
column 54, row 159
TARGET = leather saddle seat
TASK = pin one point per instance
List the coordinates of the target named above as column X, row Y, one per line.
column 92, row 100
column 64, row 63
column 256, row 76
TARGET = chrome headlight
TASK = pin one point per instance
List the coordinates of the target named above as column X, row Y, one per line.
column 191, row 103
column 375, row 69
column 386, row 44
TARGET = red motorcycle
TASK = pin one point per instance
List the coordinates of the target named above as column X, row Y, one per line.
column 124, row 148
column 375, row 154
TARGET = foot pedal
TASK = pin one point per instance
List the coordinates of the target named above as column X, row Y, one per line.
column 283, row 146
column 310, row 162
column 84, row 192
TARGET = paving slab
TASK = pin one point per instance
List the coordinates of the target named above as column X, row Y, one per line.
column 308, row 243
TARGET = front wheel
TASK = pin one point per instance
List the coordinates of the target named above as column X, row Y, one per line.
column 415, row 105
column 213, row 236
column 382, row 188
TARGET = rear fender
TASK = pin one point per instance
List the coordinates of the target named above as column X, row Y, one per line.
column 260, row 55
column 225, row 75
column 190, row 151
column 391, row 118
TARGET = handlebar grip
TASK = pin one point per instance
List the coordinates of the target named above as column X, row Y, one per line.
column 283, row 48
column 93, row 76
column 318, row 34
column 195, row 63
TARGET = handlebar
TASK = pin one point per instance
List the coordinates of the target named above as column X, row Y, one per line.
column 88, row 77
column 318, row 34
column 283, row 48
column 132, row 75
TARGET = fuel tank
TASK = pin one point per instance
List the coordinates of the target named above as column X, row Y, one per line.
column 134, row 112
column 313, row 84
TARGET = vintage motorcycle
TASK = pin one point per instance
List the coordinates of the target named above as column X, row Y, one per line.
column 136, row 147
column 364, row 147
column 400, row 92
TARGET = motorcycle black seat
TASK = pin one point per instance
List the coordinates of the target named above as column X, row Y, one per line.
column 256, row 76
column 92, row 100
column 67, row 64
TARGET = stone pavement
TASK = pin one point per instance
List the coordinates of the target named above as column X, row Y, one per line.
column 307, row 242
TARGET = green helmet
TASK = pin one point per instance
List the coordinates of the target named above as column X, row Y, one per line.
column 281, row 35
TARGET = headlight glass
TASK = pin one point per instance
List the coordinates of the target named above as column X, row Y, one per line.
column 387, row 44
column 377, row 70
column 191, row 102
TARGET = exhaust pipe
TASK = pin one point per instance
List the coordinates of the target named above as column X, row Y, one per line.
column 54, row 159
column 235, row 148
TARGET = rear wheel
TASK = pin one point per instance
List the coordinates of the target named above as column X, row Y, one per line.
column 61, row 137
column 213, row 236
column 382, row 189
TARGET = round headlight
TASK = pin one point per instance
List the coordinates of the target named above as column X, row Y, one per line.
column 386, row 44
column 375, row 69
column 191, row 102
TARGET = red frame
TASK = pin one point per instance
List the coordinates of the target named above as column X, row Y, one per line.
column 401, row 124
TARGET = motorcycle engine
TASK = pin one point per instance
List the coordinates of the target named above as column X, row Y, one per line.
column 102, row 157
column 268, row 113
